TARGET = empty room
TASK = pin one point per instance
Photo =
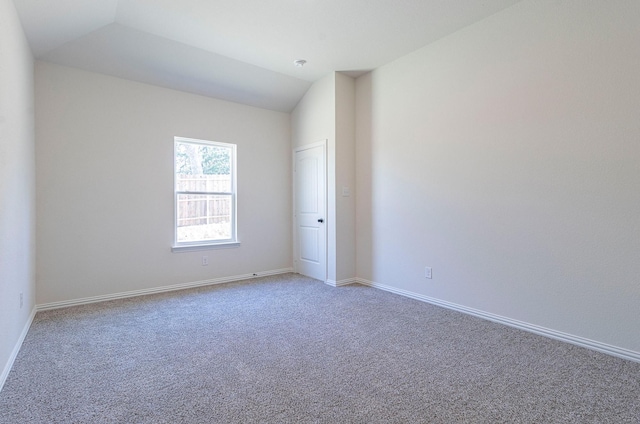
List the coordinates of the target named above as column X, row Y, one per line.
column 305, row 211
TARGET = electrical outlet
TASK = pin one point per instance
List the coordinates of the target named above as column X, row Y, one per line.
column 427, row 272
column 205, row 260
column 21, row 300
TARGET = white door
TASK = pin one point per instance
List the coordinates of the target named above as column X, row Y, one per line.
column 310, row 209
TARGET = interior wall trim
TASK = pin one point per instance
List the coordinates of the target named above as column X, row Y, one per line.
column 339, row 283
column 16, row 348
column 122, row 295
column 154, row 290
column 542, row 331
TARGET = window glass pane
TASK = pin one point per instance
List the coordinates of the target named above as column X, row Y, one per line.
column 203, row 168
column 203, row 217
column 204, row 183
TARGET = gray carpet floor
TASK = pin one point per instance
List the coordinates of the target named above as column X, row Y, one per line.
column 288, row 349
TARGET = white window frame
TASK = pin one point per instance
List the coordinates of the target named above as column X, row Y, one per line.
column 206, row 244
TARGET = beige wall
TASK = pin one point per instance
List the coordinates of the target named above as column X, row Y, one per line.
column 105, row 180
column 506, row 156
column 17, row 185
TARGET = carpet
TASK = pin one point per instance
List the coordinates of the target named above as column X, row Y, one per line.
column 289, row 349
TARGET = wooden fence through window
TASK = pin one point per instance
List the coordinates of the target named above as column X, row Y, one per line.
column 204, row 209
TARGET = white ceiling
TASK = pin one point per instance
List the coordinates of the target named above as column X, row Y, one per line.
column 240, row 50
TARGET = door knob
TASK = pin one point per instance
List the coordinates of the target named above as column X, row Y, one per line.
column 321, row 220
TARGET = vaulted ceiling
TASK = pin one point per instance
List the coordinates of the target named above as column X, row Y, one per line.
column 240, row 50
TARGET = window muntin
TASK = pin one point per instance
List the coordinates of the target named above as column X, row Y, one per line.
column 204, row 192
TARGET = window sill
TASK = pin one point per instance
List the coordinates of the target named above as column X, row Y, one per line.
column 212, row 246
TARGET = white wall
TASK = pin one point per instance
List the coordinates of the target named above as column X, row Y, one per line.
column 507, row 157
column 104, row 155
column 327, row 112
column 345, row 110
column 17, row 185
column 313, row 120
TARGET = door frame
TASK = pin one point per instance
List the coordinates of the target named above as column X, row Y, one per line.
column 323, row 144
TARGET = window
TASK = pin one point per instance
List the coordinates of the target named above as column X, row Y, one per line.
column 205, row 193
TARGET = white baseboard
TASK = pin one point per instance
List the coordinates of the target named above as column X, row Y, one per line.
column 16, row 349
column 558, row 335
column 340, row 283
column 163, row 289
column 133, row 293
column 576, row 340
